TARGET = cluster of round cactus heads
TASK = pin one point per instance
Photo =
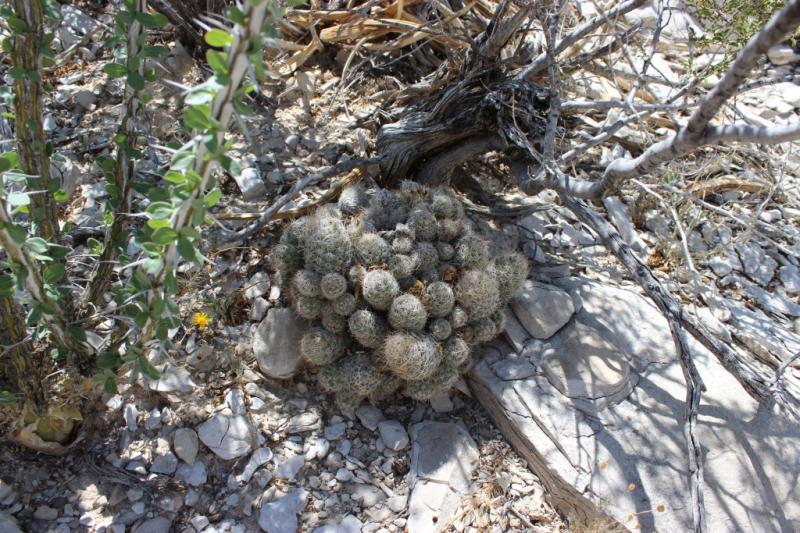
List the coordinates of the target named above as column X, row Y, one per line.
column 397, row 287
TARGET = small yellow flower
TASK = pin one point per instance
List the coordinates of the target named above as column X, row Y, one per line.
column 201, row 320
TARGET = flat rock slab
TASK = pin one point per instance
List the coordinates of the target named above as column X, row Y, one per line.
column 227, row 436
column 541, row 309
column 443, row 459
column 276, row 343
column 623, row 460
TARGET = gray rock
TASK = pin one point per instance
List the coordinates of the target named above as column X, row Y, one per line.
column 258, row 309
column 318, row 450
column 397, row 504
column 153, row 419
column 199, row 522
column 443, row 460
column 393, row 434
column 349, row 524
column 236, row 402
column 250, row 184
column 756, row 263
column 186, row 444
column 303, row 423
column 158, row 524
column 257, row 285
column 194, row 474
column 344, row 475
column 276, row 343
column 369, row 416
column 289, row 467
column 542, row 309
column 165, row 464
column 722, row 266
column 227, row 436
column 514, row 368
column 611, row 459
column 280, row 516
column 790, row 277
column 172, row 379
column 44, row 512
column 581, row 363
column 619, row 215
column 772, row 301
column 85, row 99
column 8, row 524
column 335, row 431
column 131, row 414
column 292, row 141
column 259, row 457
column 441, row 402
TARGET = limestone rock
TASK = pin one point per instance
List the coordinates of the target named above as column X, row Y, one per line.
column 280, row 516
column 227, row 436
column 186, row 444
column 604, row 463
column 443, row 459
column 393, row 434
column 542, row 309
column 276, row 343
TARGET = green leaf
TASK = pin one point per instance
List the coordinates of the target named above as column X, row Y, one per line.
column 36, row 245
column 7, row 398
column 140, row 280
column 157, row 51
column 164, row 236
column 155, row 21
column 153, row 265
column 218, row 38
column 174, row 177
column 60, row 196
column 17, row 25
column 136, row 81
column 196, row 117
column 77, row 333
column 109, row 360
column 115, row 70
column 5, row 164
column 7, row 284
column 53, row 273
column 110, row 385
column 170, row 283
column 160, row 210
column 147, row 369
column 217, row 61
column 212, row 198
column 186, row 249
column 125, row 17
column 235, row 14
column 156, row 223
column 17, row 233
column 17, row 73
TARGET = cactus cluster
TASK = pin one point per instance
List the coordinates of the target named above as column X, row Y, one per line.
column 397, row 287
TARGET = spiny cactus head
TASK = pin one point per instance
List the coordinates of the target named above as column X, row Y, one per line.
column 510, row 271
column 326, row 243
column 402, row 245
column 286, row 258
column 458, row 318
column 402, row 266
column 427, row 257
column 347, row 400
column 467, row 334
column 446, row 251
column 499, row 319
column 411, row 357
column 333, row 322
column 321, row 347
column 380, row 289
column 344, row 305
column 368, row 328
column 356, row 274
column 424, row 224
column 440, row 329
column 333, row 285
column 308, row 308
column 407, row 313
column 330, row 378
column 386, row 388
column 483, row 329
column 444, row 204
column 372, row 249
column 476, row 291
column 449, row 229
column 360, row 373
column 455, row 350
column 440, row 299
column 352, row 199
column 442, row 379
column 404, row 230
column 294, row 232
column 386, row 210
column 472, row 252
column 306, row 283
